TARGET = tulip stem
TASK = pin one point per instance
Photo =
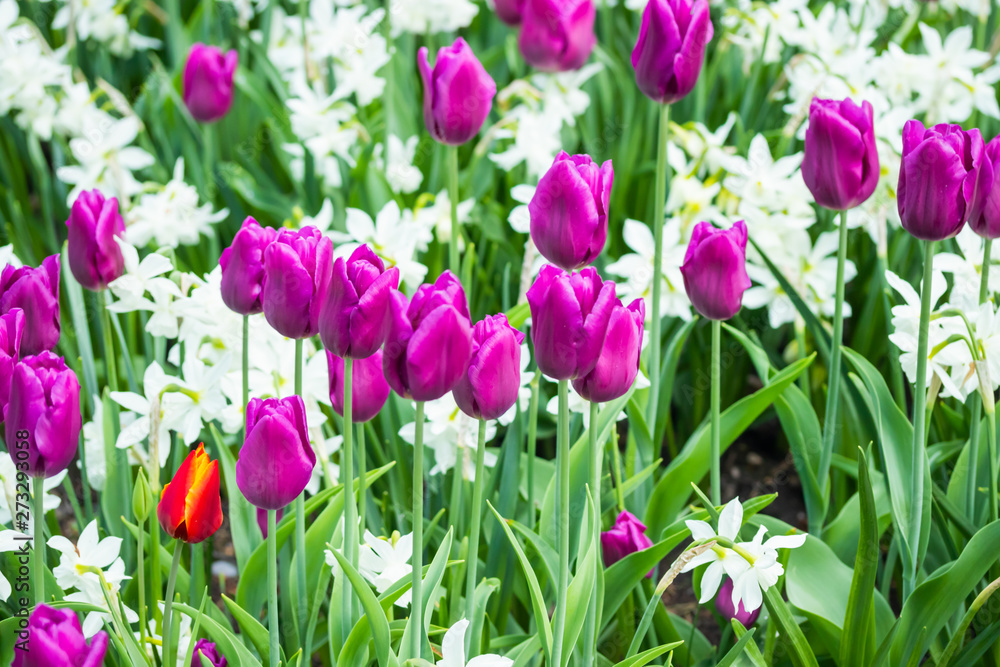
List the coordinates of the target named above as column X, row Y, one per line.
column 362, row 475
column 472, row 563
column 246, row 374
column 272, row 586
column 920, row 403
column 659, row 203
column 716, row 479
column 562, row 503
column 592, row 628
column 141, row 573
column 350, row 504
column 300, row 521
column 532, row 443
column 416, row 604
column 833, row 388
column 168, row 603
column 38, row 544
column 975, row 401
column 456, row 232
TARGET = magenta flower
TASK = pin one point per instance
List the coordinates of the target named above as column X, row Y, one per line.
column 208, row 82
column 489, row 387
column 724, row 605
column 36, row 292
column 11, row 332
column 937, row 179
column 55, row 639
column 297, row 269
column 44, row 404
column 618, row 364
column 208, row 650
column 557, row 35
column 669, row 53
column 243, row 267
column 509, row 11
column 458, row 93
column 94, row 256
column 354, row 317
column 714, row 269
column 985, row 219
column 840, row 166
column 569, row 319
column 276, row 460
column 569, row 211
column 627, row 536
column 369, row 389
column 430, row 340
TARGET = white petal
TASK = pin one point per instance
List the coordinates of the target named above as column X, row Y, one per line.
column 453, row 645
column 700, row 530
column 731, row 519
column 711, row 581
column 786, row 541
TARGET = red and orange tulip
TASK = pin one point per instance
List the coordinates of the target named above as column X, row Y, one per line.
column 190, row 508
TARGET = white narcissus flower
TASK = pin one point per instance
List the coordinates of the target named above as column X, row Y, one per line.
column 395, row 159
column 171, row 214
column 453, row 650
column 637, row 268
column 90, row 593
column 89, row 551
column 154, row 380
column 450, row 433
column 383, row 562
column 10, row 540
column 9, row 479
column 730, row 522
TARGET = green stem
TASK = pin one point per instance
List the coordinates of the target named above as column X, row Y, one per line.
column 477, row 514
column 456, row 232
column 300, row 522
column 168, row 603
column 591, row 629
column 716, row 478
column 616, row 463
column 975, row 402
column 208, row 146
column 38, row 543
column 659, row 203
column 532, row 442
column 640, row 633
column 362, row 475
column 272, row 586
column 562, row 504
column 920, row 400
column 833, row 391
column 991, row 433
column 246, row 374
column 141, row 573
column 416, row 605
column 350, row 504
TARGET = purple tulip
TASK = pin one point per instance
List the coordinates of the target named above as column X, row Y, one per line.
column 937, row 179
column 669, row 53
column 724, row 605
column 11, row 333
column 369, row 390
column 209, row 650
column 840, row 166
column 430, row 340
column 353, row 320
column 297, row 269
column 557, row 35
column 208, row 82
column 94, row 256
column 276, row 460
column 36, row 292
column 243, row 267
column 262, row 520
column 458, row 93
column 714, row 269
column 569, row 211
column 569, row 320
column 618, row 364
column 45, row 405
column 55, row 639
column 489, row 388
column 509, row 11
column 627, row 536
column 985, row 219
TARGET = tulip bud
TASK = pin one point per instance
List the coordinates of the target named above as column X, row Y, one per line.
column 569, row 319
column 94, row 256
column 276, row 460
column 354, row 317
column 714, row 269
column 489, row 388
column 208, row 650
column 458, row 93
column 36, row 292
column 938, row 176
column 55, row 639
column 669, row 53
column 724, row 605
column 190, row 508
column 369, row 390
column 509, row 11
column 557, row 35
column 142, row 497
column 243, row 267
column 44, row 410
column 569, row 210
column 840, row 165
column 985, row 219
column 618, row 364
column 627, row 536
column 208, row 82
column 11, row 332
column 430, row 340
column 297, row 269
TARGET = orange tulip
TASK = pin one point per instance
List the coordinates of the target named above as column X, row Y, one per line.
column 190, row 508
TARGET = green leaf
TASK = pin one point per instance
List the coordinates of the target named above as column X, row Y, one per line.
column 431, row 581
column 736, row 650
column 799, row 649
column 376, row 619
column 251, row 628
column 228, row 643
column 859, row 620
column 582, row 585
column 242, row 515
column 648, row 656
column 756, row 657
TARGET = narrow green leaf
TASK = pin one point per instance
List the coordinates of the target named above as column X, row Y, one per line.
column 857, row 644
